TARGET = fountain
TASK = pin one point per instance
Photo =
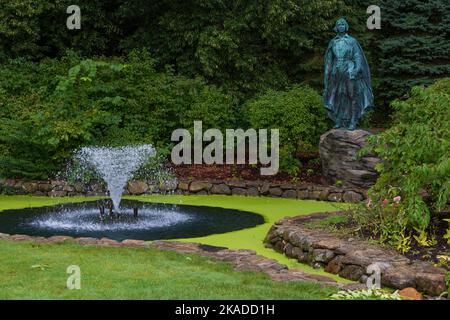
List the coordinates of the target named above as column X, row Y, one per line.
column 109, row 218
column 116, row 166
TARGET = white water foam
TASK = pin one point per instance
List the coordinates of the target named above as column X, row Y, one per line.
column 87, row 219
column 116, row 165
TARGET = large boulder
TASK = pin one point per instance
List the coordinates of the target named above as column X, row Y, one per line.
column 339, row 152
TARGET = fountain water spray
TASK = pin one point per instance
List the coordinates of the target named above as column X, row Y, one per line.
column 116, row 165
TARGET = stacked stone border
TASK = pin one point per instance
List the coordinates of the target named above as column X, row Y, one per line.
column 349, row 257
column 58, row 188
column 241, row 260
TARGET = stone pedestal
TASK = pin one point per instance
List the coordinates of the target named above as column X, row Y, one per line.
column 339, row 149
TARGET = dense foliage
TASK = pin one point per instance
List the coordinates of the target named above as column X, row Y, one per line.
column 180, row 61
column 243, row 46
column 413, row 45
column 414, row 179
column 44, row 116
column 298, row 114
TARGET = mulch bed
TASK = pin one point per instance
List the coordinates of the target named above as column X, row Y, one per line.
column 310, row 172
column 438, row 227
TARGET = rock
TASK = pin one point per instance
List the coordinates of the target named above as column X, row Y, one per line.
column 288, row 250
column 55, row 193
column 68, row 188
column 79, row 187
column 352, row 272
column 58, row 183
column 410, row 294
column 431, row 283
column 303, row 194
column 197, row 186
column 220, row 189
column 133, row 243
column 58, row 239
column 30, row 187
column 279, row 246
column 183, row 185
column 322, row 255
column 324, row 195
column 137, row 187
column 20, row 237
column 303, row 257
column 86, row 241
column 252, row 192
column 398, row 278
column 236, row 184
column 352, row 196
column 289, row 194
column 108, row 242
column 339, row 152
column 168, row 185
column 275, row 192
column 335, row 197
column 315, row 194
column 264, row 189
column 95, row 187
column 45, row 187
column 296, row 252
column 239, row 191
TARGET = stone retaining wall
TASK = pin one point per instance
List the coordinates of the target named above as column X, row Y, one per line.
column 58, row 188
column 350, row 257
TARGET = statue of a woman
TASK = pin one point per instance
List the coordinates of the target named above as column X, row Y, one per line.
column 348, row 93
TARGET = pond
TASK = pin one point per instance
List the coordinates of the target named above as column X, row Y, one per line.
column 153, row 221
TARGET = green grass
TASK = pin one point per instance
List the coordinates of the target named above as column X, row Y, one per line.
column 272, row 209
column 133, row 273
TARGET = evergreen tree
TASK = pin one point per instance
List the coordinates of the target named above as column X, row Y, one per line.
column 414, row 46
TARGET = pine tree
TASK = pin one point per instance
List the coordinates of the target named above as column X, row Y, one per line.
column 413, row 44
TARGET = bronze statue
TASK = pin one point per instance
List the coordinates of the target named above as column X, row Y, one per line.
column 348, row 93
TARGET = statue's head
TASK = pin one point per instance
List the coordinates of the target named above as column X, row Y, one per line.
column 341, row 26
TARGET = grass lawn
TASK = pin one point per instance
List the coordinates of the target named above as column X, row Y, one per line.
column 272, row 209
column 131, row 273
column 30, row 271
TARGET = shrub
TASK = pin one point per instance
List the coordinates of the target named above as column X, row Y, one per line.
column 59, row 106
column 414, row 178
column 299, row 115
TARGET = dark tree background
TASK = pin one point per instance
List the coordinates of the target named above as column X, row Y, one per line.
column 134, row 61
column 413, row 45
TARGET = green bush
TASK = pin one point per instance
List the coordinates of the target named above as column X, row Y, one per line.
column 299, row 115
column 414, row 179
column 59, row 106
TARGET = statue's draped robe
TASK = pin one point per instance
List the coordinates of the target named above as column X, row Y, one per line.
column 346, row 99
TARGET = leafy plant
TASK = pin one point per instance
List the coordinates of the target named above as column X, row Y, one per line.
column 447, row 234
column 414, row 175
column 298, row 114
column 366, row 294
